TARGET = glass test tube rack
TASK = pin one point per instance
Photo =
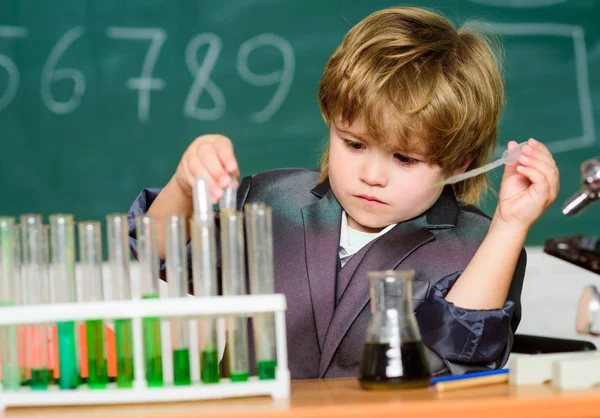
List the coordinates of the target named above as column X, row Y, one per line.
column 136, row 310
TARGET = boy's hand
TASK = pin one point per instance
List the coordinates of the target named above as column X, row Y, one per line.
column 211, row 157
column 528, row 187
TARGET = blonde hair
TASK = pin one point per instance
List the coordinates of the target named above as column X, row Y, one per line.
column 411, row 77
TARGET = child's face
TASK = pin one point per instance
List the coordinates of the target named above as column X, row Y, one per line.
column 377, row 187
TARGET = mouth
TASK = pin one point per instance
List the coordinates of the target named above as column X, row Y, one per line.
column 370, row 199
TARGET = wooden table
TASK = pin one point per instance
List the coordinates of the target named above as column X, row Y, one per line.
column 344, row 398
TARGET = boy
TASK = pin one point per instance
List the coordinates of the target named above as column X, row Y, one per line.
column 409, row 101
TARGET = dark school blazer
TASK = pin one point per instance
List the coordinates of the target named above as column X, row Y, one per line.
column 328, row 308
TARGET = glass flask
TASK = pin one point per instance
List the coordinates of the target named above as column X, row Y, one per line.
column 393, row 355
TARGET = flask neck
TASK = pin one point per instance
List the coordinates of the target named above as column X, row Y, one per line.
column 391, row 294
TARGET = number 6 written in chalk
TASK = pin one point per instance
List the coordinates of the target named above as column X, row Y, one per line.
column 9, row 66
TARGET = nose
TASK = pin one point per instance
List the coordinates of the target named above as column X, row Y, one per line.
column 374, row 171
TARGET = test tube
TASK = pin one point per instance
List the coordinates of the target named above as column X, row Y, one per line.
column 229, row 198
column 234, row 283
column 146, row 230
column 62, row 290
column 204, row 268
column 44, row 287
column 177, row 282
column 11, row 373
column 19, row 274
column 90, row 252
column 118, row 257
column 259, row 236
column 35, row 291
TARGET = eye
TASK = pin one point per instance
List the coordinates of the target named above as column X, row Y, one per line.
column 353, row 145
column 404, row 160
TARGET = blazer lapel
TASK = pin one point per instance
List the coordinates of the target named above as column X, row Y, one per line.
column 385, row 253
column 322, row 223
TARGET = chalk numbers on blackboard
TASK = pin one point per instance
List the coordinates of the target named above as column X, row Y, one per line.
column 200, row 68
column 9, row 66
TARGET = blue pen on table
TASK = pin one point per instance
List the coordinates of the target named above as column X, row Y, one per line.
column 467, row 376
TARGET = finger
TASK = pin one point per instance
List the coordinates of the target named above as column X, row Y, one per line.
column 224, row 148
column 197, row 169
column 510, row 169
column 539, row 185
column 512, row 144
column 549, row 171
column 539, row 162
column 184, row 173
column 214, row 189
column 534, row 143
column 536, row 153
column 205, row 159
column 538, row 150
column 187, row 178
column 541, row 151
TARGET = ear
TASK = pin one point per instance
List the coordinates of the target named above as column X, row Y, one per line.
column 464, row 165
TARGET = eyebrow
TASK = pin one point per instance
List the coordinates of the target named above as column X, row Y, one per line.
column 416, row 154
column 360, row 137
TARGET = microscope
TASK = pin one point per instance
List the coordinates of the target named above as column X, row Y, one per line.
column 590, row 190
column 583, row 250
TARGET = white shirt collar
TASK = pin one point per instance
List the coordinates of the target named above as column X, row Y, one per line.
column 346, row 250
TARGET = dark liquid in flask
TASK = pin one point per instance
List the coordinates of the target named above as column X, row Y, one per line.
column 384, row 367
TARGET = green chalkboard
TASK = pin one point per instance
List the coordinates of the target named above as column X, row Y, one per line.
column 99, row 99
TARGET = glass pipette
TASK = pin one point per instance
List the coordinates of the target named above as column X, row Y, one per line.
column 204, row 268
column 510, row 156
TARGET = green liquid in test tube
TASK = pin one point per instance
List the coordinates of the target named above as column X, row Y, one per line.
column 96, row 343
column 181, row 367
column 118, row 257
column 62, row 290
column 266, row 369
column 11, row 373
column 204, row 268
column 35, row 291
column 67, row 355
column 238, row 376
column 124, row 340
column 90, row 251
column 146, row 232
column 153, row 348
column 210, row 366
column 177, row 287
column 259, row 234
column 39, row 378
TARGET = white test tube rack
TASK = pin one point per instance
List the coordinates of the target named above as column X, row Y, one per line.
column 191, row 307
